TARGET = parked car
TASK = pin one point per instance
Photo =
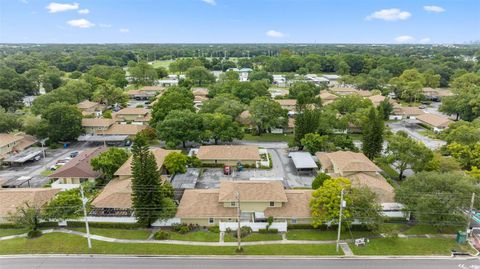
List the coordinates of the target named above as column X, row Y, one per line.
column 73, row 154
column 422, row 107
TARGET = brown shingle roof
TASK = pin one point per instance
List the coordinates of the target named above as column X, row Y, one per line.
column 203, row 203
column 116, row 194
column 298, row 205
column 434, row 120
column 200, row 92
column 86, row 104
column 79, row 167
column 132, row 111
column 287, row 102
column 229, row 153
column 327, row 96
column 11, row 199
column 6, row 139
column 96, row 122
column 252, row 191
column 124, row 129
column 160, row 154
column 152, row 89
column 245, row 118
column 408, row 111
column 376, row 183
column 346, row 161
column 291, row 123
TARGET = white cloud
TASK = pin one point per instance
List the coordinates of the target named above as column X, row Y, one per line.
column 275, row 34
column 404, row 39
column 124, row 30
column 392, row 14
column 58, row 7
column 84, row 11
column 80, row 23
column 425, row 40
column 104, row 25
column 210, row 2
column 434, row 9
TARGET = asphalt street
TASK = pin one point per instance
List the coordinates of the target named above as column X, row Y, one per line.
column 231, row 263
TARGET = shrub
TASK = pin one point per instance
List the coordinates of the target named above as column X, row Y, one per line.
column 34, row 234
column 319, row 179
column 214, row 229
column 81, row 224
column 183, row 228
column 268, row 231
column 161, row 235
column 244, row 231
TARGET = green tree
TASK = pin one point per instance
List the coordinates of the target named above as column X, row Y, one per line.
column 161, row 72
column 409, row 84
column 176, row 162
column 9, row 121
column 303, row 89
column 364, row 207
column 64, row 122
column 109, row 95
column 65, row 205
column 325, row 202
column 181, row 126
column 305, row 123
column 260, row 75
column 171, row 100
column 11, row 100
column 52, row 79
column 224, row 103
column 404, row 152
column 315, row 143
column 220, row 127
column 385, row 108
column 318, row 180
column 229, row 75
column 372, row 140
column 435, row 198
column 142, row 73
column 148, row 198
column 200, row 76
column 109, row 161
column 351, row 103
column 266, row 114
column 466, row 155
column 442, row 164
column 27, row 216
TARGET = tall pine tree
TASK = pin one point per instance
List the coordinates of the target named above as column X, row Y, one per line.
column 373, row 134
column 147, row 191
column 305, row 123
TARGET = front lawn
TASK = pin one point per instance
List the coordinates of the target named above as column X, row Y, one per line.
column 199, row 236
column 429, row 229
column 6, row 232
column 311, row 234
column 269, row 138
column 58, row 243
column 254, row 237
column 117, row 233
column 409, row 246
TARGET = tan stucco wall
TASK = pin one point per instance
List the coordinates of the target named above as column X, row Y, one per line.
column 74, row 180
column 253, row 206
column 232, row 163
column 204, row 221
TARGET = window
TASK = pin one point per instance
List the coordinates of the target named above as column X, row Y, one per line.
column 294, row 221
column 211, row 220
column 272, row 204
column 233, row 204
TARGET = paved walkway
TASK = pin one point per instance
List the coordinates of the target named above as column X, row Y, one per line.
column 346, row 249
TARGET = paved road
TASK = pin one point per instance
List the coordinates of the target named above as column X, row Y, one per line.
column 413, row 131
column 222, row 263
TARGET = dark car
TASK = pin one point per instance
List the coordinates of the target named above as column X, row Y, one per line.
column 74, row 154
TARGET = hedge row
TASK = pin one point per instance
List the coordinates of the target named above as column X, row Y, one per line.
column 81, row 224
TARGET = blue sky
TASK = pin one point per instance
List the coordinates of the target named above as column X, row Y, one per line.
column 239, row 21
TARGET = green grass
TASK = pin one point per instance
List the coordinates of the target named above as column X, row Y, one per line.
column 6, row 232
column 199, row 236
column 310, row 234
column 117, row 233
column 46, row 173
column 163, row 63
column 388, row 170
column 409, row 246
column 428, row 133
column 428, row 229
column 254, row 237
column 73, row 244
column 269, row 138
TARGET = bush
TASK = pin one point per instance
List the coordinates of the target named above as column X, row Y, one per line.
column 244, row 231
column 161, row 235
column 183, row 228
column 214, row 229
column 48, row 224
column 81, row 224
column 268, row 231
column 34, row 234
column 319, row 179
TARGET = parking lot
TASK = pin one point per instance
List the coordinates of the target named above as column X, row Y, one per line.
column 36, row 169
column 413, row 131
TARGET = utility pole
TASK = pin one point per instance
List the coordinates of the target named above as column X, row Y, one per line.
column 342, row 204
column 239, row 247
column 84, row 203
column 470, row 213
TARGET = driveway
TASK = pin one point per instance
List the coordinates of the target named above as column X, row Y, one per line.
column 413, row 132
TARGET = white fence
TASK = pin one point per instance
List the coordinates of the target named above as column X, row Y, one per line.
column 280, row 226
column 158, row 223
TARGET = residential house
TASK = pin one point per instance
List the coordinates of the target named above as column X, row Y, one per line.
column 258, row 201
column 327, row 97
column 91, row 108
column 130, row 115
column 114, row 200
column 77, row 170
column 288, row 104
column 108, row 131
column 436, row 122
column 436, row 94
column 12, row 199
column 332, row 79
column 290, row 126
column 11, row 144
column 96, row 125
column 405, row 113
column 125, row 171
column 229, row 154
column 344, row 90
column 313, row 78
column 145, row 93
column 361, row 171
column 200, row 96
column 117, row 129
